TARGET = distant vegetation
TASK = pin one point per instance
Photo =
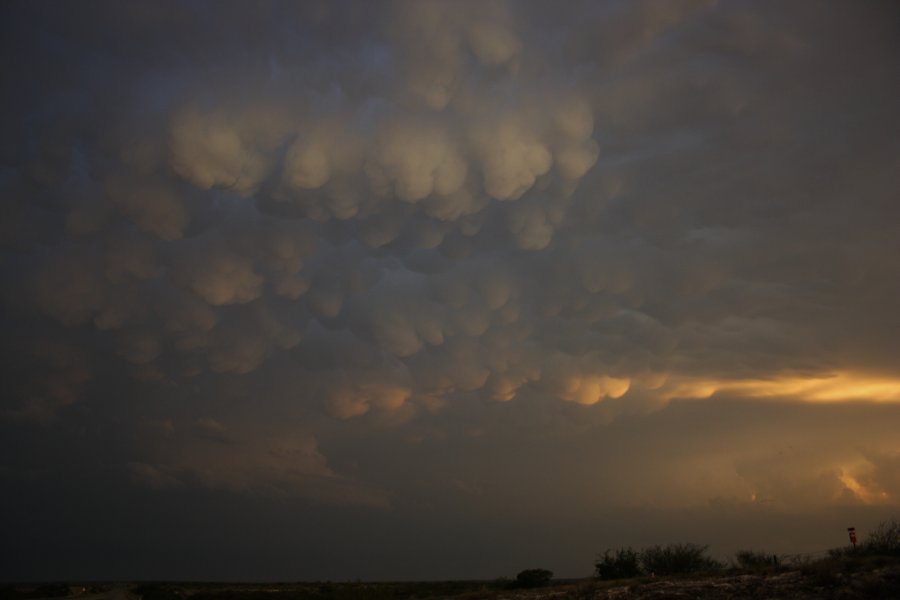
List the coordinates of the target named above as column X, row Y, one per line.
column 532, row 578
column 45, row 590
column 623, row 563
column 750, row 560
column 156, row 591
column 883, row 540
column 678, row 559
column 674, row 559
column 430, row 590
column 687, row 559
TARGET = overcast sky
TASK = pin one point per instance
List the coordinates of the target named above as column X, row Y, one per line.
column 424, row 289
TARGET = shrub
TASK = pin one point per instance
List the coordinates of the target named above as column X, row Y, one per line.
column 884, row 539
column 843, row 552
column 624, row 563
column 825, row 572
column 530, row 578
column 752, row 560
column 677, row 559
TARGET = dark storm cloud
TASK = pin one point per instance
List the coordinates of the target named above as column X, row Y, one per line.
column 342, row 252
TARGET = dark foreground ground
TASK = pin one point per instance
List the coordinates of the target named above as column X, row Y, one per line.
column 876, row 579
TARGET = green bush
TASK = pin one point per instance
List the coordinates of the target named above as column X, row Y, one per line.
column 677, row 559
column 624, row 563
column 530, row 578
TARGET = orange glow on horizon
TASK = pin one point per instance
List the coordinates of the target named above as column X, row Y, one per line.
column 837, row 387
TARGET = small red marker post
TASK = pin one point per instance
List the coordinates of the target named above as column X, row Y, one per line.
column 852, row 532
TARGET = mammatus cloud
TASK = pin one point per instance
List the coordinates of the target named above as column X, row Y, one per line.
column 439, row 46
column 343, row 252
column 154, row 206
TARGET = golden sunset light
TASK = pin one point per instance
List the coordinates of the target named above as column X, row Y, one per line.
column 837, row 387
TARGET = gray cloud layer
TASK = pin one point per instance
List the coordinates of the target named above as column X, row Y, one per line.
column 250, row 250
